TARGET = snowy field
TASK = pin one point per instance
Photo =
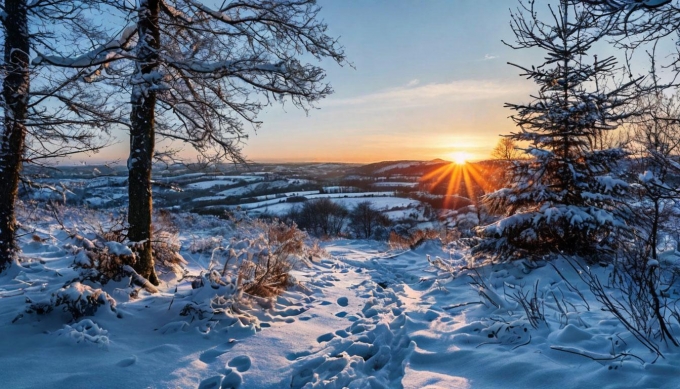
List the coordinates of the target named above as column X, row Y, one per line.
column 379, row 200
column 393, row 184
column 361, row 316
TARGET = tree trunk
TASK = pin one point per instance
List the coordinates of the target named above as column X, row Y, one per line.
column 655, row 227
column 142, row 120
column 15, row 90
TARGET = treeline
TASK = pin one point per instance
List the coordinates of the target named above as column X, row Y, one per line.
column 325, row 218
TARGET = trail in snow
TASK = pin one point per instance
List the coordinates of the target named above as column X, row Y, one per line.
column 363, row 318
column 347, row 332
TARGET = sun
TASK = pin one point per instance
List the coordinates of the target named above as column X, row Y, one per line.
column 459, row 179
column 460, row 157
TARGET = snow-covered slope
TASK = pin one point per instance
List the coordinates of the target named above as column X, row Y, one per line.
column 365, row 316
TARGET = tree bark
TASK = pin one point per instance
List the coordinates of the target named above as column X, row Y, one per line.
column 15, row 91
column 142, row 140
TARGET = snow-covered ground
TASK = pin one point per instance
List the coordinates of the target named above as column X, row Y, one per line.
column 382, row 201
column 395, row 183
column 363, row 316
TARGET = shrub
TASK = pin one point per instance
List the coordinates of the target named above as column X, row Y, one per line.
column 77, row 299
column 166, row 244
column 266, row 272
column 412, row 239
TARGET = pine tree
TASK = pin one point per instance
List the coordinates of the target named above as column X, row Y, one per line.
column 565, row 198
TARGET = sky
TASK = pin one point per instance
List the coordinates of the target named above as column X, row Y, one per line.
column 429, row 80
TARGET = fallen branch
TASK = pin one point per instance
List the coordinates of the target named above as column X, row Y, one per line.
column 138, row 280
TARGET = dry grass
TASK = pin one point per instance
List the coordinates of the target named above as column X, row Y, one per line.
column 267, row 272
column 413, row 239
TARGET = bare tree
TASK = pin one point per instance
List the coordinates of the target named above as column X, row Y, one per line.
column 47, row 113
column 321, row 217
column 632, row 24
column 199, row 73
column 506, row 150
column 656, row 144
column 655, row 141
column 364, row 219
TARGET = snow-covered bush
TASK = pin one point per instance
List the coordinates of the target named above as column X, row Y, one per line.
column 213, row 295
column 205, row 245
column 102, row 262
column 81, row 300
column 256, row 263
column 76, row 299
column 107, row 255
column 85, row 331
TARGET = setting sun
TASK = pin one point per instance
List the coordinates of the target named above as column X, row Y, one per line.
column 460, row 157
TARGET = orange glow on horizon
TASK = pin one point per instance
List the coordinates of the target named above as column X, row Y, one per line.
column 457, row 174
column 460, row 157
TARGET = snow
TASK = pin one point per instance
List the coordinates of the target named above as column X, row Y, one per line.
column 392, row 184
column 287, row 194
column 382, row 201
column 118, row 248
column 362, row 316
column 213, row 183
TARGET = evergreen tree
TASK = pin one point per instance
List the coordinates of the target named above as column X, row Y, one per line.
column 565, row 198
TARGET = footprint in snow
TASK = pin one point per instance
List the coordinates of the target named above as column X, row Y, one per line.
column 241, row 363
column 232, row 380
column 299, row 354
column 341, row 314
column 211, row 383
column 209, row 356
column 127, row 361
column 325, row 337
column 343, row 301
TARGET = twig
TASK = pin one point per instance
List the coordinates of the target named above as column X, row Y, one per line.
column 523, row 344
column 463, row 304
column 610, row 358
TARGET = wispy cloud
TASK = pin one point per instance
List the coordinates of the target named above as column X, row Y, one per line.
column 413, row 82
column 488, row 57
column 428, row 94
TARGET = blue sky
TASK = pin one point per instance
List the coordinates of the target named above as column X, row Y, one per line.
column 430, row 79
